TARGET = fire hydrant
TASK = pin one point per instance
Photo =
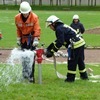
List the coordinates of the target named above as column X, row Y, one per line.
column 39, row 54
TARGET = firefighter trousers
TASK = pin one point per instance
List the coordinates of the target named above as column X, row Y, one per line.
column 77, row 59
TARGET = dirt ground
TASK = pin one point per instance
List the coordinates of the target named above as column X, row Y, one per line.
column 91, row 56
column 93, row 31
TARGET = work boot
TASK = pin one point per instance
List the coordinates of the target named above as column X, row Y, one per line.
column 32, row 80
column 84, row 76
column 70, row 81
column 70, row 78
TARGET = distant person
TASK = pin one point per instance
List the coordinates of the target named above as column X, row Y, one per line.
column 0, row 39
column 77, row 25
column 28, row 34
column 67, row 36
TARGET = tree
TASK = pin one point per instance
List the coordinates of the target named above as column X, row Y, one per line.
column 75, row 2
column 15, row 2
column 3, row 2
column 40, row 2
column 71, row 2
column 21, row 0
column 51, row 2
column 80, row 2
column 88, row 2
column 68, row 2
column 33, row 2
column 58, row 2
column 95, row 2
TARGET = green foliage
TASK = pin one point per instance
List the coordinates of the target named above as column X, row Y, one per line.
column 8, row 29
column 53, row 8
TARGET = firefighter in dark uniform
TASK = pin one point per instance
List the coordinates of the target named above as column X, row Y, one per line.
column 68, row 37
column 77, row 25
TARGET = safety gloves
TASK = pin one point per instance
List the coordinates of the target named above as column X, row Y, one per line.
column 18, row 41
column 48, row 53
column 51, row 49
column 35, row 42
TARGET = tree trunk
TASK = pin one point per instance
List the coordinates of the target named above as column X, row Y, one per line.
column 88, row 2
column 3, row 2
column 40, row 2
column 71, row 2
column 68, row 2
column 15, row 2
column 91, row 2
column 51, row 2
column 75, row 2
column 60, row 2
column 56, row 2
column 79, row 2
column 95, row 2
column 33, row 2
column 21, row 0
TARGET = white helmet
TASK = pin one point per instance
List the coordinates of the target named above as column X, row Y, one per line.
column 25, row 7
column 75, row 17
column 51, row 19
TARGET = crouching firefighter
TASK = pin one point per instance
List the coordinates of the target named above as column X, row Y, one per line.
column 28, row 34
column 67, row 36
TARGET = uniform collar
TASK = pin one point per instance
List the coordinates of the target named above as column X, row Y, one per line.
column 25, row 20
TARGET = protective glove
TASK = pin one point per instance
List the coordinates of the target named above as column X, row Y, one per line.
column 18, row 41
column 35, row 42
column 48, row 53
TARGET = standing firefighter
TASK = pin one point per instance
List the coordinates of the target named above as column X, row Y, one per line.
column 67, row 36
column 28, row 33
column 77, row 25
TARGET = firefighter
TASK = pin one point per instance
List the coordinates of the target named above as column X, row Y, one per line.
column 67, row 36
column 77, row 25
column 0, row 39
column 28, row 32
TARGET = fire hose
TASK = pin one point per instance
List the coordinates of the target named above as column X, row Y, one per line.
column 57, row 73
column 40, row 53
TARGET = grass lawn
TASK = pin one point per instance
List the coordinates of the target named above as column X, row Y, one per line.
column 90, row 19
column 52, row 87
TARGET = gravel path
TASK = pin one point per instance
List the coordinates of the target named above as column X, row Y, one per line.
column 91, row 56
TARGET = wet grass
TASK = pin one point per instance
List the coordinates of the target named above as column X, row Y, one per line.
column 52, row 88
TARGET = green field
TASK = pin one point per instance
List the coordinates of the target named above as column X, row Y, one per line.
column 90, row 19
column 52, row 88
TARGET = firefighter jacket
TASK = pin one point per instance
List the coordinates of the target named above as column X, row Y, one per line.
column 78, row 27
column 65, row 35
column 29, row 27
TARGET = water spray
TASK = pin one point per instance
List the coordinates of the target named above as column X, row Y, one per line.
column 11, row 72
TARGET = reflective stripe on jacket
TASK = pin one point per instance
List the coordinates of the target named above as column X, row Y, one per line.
column 79, row 43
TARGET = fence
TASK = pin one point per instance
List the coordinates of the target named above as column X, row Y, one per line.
column 54, row 2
